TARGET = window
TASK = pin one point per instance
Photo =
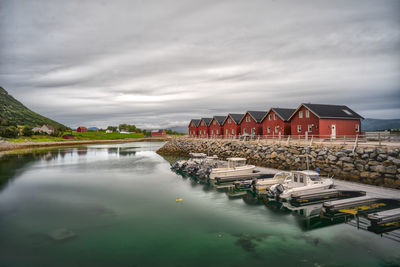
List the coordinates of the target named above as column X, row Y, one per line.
column 269, row 117
column 269, row 129
column 253, row 131
column 357, row 128
column 301, row 178
column 274, row 117
column 204, row 131
column 202, row 123
column 233, row 131
column 244, row 130
column 214, row 122
column 227, row 132
column 295, row 178
column 276, row 129
column 229, row 121
column 248, row 119
column 300, row 114
column 310, row 128
column 307, row 114
column 212, row 131
column 299, row 128
column 217, row 131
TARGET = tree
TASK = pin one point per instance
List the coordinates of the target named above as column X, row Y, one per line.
column 9, row 131
column 27, row 131
column 112, row 128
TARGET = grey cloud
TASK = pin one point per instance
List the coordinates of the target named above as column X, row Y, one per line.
column 160, row 63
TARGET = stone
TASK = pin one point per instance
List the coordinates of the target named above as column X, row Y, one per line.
column 364, row 174
column 340, row 154
column 293, row 151
column 348, row 166
column 313, row 154
column 346, row 159
column 372, row 155
column 274, row 155
column 369, row 150
column 365, row 156
column 381, row 150
column 360, row 150
column 372, row 163
column 374, row 175
column 393, row 152
column 331, row 158
column 360, row 167
column 391, row 176
column 381, row 157
column 391, row 169
column 378, row 168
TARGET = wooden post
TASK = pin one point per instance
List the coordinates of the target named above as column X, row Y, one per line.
column 312, row 137
column 344, row 140
column 288, row 140
column 306, row 136
column 355, row 143
column 379, row 138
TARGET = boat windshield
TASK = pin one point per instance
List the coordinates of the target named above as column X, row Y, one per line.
column 315, row 177
column 236, row 163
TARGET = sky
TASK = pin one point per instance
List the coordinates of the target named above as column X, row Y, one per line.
column 158, row 64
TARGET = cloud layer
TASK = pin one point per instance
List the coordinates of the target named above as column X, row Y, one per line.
column 161, row 63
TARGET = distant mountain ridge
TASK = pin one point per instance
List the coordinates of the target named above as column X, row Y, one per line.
column 370, row 124
column 15, row 112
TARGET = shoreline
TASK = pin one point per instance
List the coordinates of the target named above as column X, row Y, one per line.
column 8, row 146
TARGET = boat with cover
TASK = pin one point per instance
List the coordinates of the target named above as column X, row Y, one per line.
column 301, row 181
column 262, row 185
column 236, row 166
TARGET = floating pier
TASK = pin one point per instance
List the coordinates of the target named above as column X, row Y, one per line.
column 233, row 178
column 353, row 205
column 385, row 217
column 304, row 198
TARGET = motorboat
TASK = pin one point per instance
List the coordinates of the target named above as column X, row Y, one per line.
column 262, row 185
column 301, row 181
column 236, row 166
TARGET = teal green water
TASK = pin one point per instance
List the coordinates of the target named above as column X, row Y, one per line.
column 120, row 202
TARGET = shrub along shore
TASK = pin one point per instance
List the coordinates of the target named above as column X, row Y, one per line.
column 369, row 165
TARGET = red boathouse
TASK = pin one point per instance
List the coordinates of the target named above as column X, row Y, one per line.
column 325, row 121
column 216, row 126
column 251, row 122
column 81, row 129
column 193, row 128
column 276, row 122
column 231, row 125
column 204, row 127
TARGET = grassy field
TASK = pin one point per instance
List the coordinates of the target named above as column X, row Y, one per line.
column 77, row 136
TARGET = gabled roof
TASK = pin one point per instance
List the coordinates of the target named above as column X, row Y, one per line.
column 207, row 121
column 283, row 113
column 220, row 119
column 195, row 121
column 235, row 117
column 323, row 111
column 256, row 115
column 157, row 131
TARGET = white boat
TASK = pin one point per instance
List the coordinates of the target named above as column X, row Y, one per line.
column 302, row 181
column 262, row 185
column 236, row 166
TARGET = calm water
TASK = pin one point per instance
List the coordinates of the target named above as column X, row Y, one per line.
column 119, row 202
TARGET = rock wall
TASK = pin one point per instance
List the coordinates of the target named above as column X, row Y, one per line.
column 377, row 166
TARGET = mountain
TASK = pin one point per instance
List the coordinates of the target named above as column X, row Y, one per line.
column 179, row 129
column 379, row 124
column 15, row 112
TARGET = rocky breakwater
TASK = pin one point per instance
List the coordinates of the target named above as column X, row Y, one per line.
column 370, row 165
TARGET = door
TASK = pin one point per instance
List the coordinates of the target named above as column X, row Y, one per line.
column 333, row 133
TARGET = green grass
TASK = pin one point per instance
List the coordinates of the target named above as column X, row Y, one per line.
column 77, row 136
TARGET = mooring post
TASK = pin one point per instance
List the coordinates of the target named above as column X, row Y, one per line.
column 355, row 143
column 312, row 137
column 344, row 140
column 379, row 138
column 288, row 140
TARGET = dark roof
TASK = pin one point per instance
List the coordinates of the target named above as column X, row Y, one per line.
column 207, row 121
column 332, row 111
column 284, row 113
column 220, row 119
column 235, row 117
column 257, row 115
column 157, row 131
column 196, row 122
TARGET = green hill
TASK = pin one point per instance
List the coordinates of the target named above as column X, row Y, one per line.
column 15, row 112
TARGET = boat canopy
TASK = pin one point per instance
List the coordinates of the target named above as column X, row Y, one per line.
column 236, row 162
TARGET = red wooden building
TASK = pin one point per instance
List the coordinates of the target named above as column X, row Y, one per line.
column 216, row 126
column 276, row 122
column 325, row 121
column 81, row 129
column 231, row 125
column 204, row 127
column 193, row 128
column 158, row 133
column 251, row 122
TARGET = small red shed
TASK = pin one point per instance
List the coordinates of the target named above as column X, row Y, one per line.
column 276, row 122
column 204, row 127
column 81, row 129
column 216, row 128
column 193, row 128
column 158, row 133
column 251, row 122
column 325, row 121
column 231, row 125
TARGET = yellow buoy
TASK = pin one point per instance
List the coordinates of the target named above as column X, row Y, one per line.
column 179, row 199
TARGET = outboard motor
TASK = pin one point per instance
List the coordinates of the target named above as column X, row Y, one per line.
column 279, row 189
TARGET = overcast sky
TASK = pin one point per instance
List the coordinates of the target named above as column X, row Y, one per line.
column 161, row 63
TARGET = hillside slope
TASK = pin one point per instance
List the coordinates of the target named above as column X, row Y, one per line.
column 379, row 124
column 14, row 111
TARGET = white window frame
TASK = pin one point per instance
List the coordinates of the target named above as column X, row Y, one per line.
column 269, row 130
column 299, row 128
column 274, row 117
column 212, row 131
column 307, row 114
column 253, row 131
column 248, row 118
column 309, row 128
column 300, row 114
column 229, row 121
column 269, row 117
column 233, row 131
column 217, row 131
column 214, row 122
column 357, row 128
column 244, row 130
column 276, row 129
column 227, row 131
